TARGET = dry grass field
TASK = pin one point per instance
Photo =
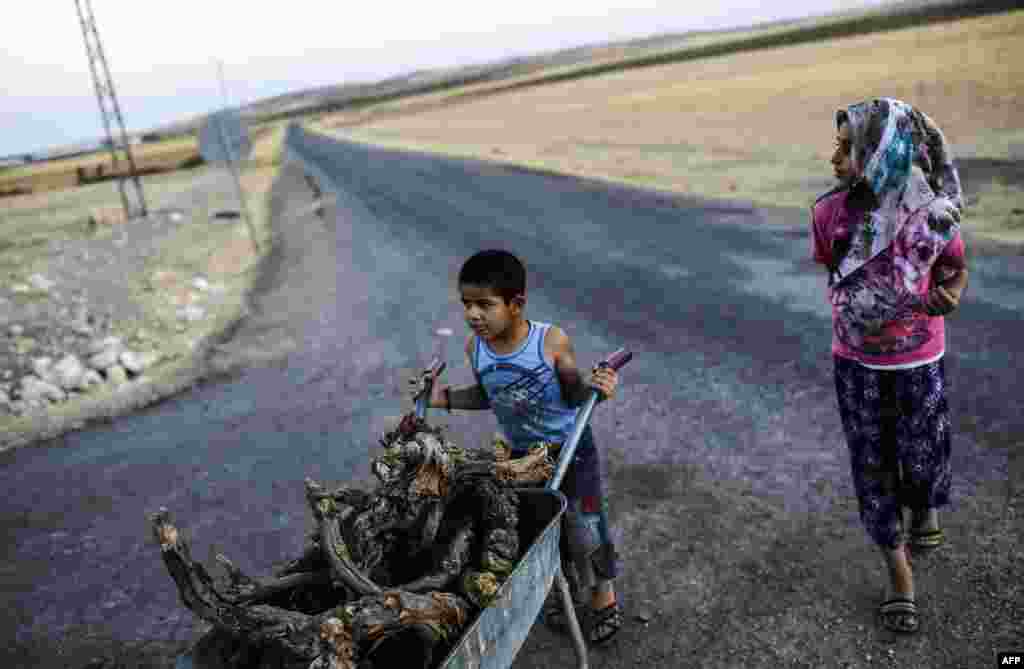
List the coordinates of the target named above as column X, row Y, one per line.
column 164, row 156
column 756, row 125
column 30, row 222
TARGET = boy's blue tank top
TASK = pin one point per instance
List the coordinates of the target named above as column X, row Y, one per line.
column 524, row 391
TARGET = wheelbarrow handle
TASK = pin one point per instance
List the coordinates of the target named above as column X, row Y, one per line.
column 616, row 361
column 430, row 375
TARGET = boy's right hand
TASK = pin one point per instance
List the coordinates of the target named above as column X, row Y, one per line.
column 416, row 384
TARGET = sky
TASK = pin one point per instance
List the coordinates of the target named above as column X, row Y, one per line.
column 162, row 56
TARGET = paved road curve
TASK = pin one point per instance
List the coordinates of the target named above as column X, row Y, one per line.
column 726, row 317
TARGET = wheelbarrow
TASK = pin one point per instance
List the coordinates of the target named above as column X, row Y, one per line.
column 494, row 638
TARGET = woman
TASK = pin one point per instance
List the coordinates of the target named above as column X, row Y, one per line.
column 889, row 237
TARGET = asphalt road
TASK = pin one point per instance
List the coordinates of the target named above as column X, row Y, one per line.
column 725, row 314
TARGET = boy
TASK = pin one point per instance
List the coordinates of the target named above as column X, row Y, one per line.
column 526, row 372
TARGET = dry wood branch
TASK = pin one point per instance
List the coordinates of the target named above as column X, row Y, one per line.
column 312, row 559
column 533, row 469
column 443, row 520
column 292, row 633
column 449, row 566
column 536, row 467
column 325, row 509
column 479, row 587
column 246, row 590
column 432, row 517
column 337, row 648
column 392, row 622
column 273, row 589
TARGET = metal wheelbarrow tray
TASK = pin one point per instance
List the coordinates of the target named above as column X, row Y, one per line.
column 493, row 639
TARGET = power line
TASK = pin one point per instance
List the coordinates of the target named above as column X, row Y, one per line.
column 110, row 110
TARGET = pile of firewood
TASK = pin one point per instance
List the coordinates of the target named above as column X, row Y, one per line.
column 391, row 577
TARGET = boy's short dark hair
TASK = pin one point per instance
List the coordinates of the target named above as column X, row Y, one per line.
column 495, row 269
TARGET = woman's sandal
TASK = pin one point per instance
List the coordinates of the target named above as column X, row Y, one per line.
column 923, row 543
column 899, row 614
column 605, row 623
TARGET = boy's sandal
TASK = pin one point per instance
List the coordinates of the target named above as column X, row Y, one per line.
column 605, row 623
column 899, row 614
column 922, row 543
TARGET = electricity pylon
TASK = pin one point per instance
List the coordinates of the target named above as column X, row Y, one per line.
column 109, row 107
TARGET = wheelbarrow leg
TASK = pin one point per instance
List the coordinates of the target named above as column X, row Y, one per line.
column 570, row 613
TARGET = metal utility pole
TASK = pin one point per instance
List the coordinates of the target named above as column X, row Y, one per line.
column 109, row 107
column 231, row 164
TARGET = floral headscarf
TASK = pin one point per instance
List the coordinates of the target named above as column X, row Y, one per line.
column 902, row 156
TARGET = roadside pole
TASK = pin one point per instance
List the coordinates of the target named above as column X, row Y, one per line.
column 233, row 168
column 232, row 155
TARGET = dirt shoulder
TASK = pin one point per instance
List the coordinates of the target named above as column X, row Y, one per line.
column 104, row 317
column 715, row 577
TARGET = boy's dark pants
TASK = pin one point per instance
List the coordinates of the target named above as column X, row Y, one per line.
column 586, row 536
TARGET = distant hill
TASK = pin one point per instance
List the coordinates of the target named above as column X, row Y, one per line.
column 632, row 53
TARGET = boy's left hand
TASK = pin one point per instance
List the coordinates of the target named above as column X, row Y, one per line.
column 603, row 380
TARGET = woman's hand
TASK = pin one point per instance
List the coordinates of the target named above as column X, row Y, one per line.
column 940, row 302
column 943, row 299
column 603, row 380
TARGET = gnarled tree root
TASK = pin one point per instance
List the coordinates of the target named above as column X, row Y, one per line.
column 326, row 511
column 293, row 635
column 449, row 566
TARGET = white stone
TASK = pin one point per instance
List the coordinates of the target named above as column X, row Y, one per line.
column 107, row 358
column 69, row 372
column 137, row 362
column 191, row 313
column 43, row 368
column 117, row 375
column 40, row 282
column 5, row 399
column 34, row 388
column 199, row 283
column 90, row 379
column 100, row 345
column 16, row 330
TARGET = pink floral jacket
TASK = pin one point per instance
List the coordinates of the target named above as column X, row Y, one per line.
column 878, row 310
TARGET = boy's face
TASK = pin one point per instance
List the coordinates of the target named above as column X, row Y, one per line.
column 487, row 313
column 842, row 163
